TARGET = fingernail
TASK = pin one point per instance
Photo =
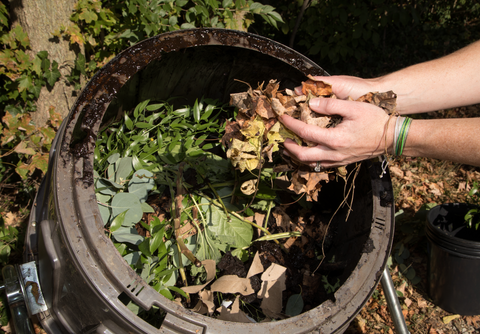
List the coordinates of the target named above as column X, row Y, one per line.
column 313, row 103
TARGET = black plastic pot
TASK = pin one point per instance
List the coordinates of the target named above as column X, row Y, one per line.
column 81, row 273
column 453, row 260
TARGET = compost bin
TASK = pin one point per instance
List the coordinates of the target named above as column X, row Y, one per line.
column 80, row 271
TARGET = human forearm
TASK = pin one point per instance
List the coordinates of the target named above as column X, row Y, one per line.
column 447, row 82
column 446, row 139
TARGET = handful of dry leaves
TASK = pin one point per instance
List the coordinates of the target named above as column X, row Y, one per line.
column 257, row 134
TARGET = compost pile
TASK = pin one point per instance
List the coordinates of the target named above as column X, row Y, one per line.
column 204, row 207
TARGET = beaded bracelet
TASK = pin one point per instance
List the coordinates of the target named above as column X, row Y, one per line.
column 402, row 126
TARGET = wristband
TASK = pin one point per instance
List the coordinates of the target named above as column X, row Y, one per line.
column 402, row 126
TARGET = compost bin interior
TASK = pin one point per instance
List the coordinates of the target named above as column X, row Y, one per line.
column 190, row 65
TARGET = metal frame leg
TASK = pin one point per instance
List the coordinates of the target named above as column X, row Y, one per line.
column 393, row 303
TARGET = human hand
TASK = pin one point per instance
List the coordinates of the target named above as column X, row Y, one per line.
column 344, row 86
column 360, row 135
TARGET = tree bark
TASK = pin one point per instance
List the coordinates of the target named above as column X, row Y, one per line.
column 39, row 19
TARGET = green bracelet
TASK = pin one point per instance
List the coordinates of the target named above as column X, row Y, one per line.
column 402, row 136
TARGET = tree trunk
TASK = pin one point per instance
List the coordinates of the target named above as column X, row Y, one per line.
column 39, row 19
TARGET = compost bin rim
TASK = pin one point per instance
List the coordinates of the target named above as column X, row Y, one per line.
column 74, row 165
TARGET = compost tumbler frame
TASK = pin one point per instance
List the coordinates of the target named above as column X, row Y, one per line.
column 75, row 255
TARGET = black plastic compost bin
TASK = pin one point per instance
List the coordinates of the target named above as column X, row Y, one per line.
column 80, row 272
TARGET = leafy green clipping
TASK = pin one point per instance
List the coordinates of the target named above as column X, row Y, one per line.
column 230, row 229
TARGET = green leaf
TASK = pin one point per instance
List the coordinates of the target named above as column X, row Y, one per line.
column 118, row 221
column 184, row 112
column 128, row 122
column 88, row 16
column 231, row 230
column 178, row 290
column 132, row 258
column 80, row 63
column 166, row 293
column 137, row 163
column 130, row 202
column 143, row 125
column 146, row 208
column 156, row 240
column 140, row 108
column 227, row 3
column 144, row 247
column 181, row 3
column 104, row 208
column 187, row 26
column 53, row 75
column 128, row 235
column 197, row 108
column 124, row 169
column 141, row 184
column 294, row 305
column 25, row 83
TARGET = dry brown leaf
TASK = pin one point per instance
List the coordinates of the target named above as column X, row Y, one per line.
column 249, row 187
column 307, row 182
column 422, row 303
column 10, row 219
column 264, row 108
column 316, row 87
column 362, row 324
column 397, row 172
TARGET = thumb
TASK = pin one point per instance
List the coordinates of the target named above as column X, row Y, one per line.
column 345, row 86
column 329, row 107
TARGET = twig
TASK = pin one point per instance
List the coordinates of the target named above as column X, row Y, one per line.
column 178, row 212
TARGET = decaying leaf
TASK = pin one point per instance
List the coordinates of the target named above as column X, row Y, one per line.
column 248, row 187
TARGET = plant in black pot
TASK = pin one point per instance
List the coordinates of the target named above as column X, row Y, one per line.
column 453, row 236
